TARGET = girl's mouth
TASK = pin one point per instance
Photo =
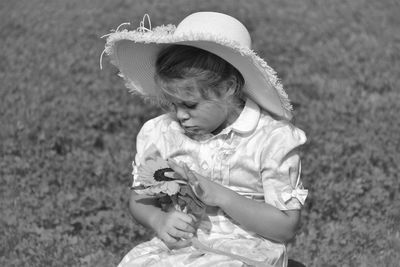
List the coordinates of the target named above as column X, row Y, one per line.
column 189, row 128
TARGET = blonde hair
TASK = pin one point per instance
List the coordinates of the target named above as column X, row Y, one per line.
column 186, row 70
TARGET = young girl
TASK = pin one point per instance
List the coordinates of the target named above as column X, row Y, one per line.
column 227, row 133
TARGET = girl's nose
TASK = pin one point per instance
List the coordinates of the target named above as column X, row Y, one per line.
column 182, row 114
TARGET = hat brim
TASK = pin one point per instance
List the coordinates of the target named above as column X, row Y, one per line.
column 135, row 54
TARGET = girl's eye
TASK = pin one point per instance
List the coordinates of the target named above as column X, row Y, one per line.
column 190, row 105
column 185, row 105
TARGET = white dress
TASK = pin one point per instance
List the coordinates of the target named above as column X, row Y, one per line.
column 257, row 157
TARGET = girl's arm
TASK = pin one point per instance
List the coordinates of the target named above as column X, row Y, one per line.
column 145, row 209
column 173, row 227
column 262, row 218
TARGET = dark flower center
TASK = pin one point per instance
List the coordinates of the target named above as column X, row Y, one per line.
column 159, row 175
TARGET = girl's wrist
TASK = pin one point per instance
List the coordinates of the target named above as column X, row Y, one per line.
column 155, row 219
column 223, row 199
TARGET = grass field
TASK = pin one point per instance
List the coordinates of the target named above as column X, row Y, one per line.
column 67, row 129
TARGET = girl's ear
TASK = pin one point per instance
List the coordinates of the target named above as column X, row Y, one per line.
column 232, row 87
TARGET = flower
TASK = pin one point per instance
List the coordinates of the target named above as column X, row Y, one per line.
column 169, row 188
column 149, row 178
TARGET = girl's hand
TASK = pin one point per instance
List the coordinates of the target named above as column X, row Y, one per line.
column 175, row 228
column 209, row 192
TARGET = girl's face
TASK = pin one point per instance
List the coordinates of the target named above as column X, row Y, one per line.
column 199, row 116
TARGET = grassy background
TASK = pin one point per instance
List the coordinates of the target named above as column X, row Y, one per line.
column 67, row 129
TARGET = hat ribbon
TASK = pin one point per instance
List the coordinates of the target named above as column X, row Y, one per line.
column 142, row 28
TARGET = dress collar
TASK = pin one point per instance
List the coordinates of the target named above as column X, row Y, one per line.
column 245, row 123
column 248, row 118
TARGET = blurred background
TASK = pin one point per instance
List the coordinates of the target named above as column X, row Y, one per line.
column 67, row 129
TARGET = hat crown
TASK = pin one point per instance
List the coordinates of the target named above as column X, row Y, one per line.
column 215, row 24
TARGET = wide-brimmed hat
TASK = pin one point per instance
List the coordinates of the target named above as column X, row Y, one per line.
column 135, row 52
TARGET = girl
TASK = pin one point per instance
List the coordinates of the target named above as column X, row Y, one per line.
column 227, row 133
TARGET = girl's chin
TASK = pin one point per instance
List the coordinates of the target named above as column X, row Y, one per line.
column 193, row 130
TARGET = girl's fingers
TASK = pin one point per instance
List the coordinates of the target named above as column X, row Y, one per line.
column 193, row 180
column 182, row 171
column 174, row 175
column 183, row 243
column 185, row 218
column 168, row 238
column 181, row 225
column 189, row 174
column 194, row 220
column 185, row 173
column 178, row 169
column 180, row 244
column 176, row 233
column 199, row 190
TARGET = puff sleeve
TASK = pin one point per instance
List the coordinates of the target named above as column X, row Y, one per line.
column 145, row 139
column 281, row 168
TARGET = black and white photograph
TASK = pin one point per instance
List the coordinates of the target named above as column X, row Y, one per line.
column 188, row 133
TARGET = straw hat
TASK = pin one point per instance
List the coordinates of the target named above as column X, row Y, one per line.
column 134, row 53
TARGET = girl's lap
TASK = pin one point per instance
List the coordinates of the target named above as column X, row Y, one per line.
column 156, row 253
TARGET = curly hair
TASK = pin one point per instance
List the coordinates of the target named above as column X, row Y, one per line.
column 183, row 71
